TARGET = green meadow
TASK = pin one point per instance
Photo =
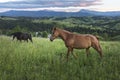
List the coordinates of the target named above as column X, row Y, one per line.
column 45, row 60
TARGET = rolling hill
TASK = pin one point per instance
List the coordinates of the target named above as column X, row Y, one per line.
column 47, row 13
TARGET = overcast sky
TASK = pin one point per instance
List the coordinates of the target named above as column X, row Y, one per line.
column 60, row 5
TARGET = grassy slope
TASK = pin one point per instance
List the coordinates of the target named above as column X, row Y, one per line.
column 45, row 60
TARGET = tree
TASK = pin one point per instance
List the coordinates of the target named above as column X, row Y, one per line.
column 44, row 34
column 105, row 36
column 16, row 29
column 19, row 29
column 0, row 32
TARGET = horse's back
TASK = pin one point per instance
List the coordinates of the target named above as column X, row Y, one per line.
column 78, row 41
column 83, row 40
column 93, row 38
column 16, row 33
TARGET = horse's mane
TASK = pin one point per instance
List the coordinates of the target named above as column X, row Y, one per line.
column 65, row 31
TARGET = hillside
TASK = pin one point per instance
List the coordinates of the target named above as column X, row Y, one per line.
column 47, row 13
column 107, row 27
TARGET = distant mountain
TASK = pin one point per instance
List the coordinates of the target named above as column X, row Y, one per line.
column 97, row 13
column 47, row 13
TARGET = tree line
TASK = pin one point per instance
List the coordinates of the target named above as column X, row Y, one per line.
column 107, row 28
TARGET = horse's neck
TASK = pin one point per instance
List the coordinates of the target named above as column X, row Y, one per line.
column 63, row 35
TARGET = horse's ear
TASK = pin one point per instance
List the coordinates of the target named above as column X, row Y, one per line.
column 54, row 28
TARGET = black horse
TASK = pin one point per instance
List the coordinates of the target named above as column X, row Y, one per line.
column 22, row 36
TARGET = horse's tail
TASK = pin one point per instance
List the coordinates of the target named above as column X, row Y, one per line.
column 30, row 37
column 97, row 37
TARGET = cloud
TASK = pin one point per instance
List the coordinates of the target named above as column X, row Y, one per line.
column 48, row 3
column 38, row 4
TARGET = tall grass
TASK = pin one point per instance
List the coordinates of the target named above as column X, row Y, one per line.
column 45, row 60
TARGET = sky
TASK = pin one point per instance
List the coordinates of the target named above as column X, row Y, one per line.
column 60, row 5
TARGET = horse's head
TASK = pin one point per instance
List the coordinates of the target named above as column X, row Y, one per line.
column 54, row 34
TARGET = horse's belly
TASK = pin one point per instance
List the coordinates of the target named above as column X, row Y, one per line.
column 81, row 45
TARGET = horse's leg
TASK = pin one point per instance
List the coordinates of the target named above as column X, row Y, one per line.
column 27, row 40
column 100, row 50
column 87, row 51
column 30, row 39
column 20, row 40
column 97, row 47
column 73, row 53
column 68, row 52
column 13, row 37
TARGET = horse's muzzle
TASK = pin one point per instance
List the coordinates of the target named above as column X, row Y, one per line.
column 51, row 39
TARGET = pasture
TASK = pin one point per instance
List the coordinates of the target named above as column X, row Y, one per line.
column 45, row 60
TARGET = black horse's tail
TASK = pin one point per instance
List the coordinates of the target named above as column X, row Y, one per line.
column 30, row 37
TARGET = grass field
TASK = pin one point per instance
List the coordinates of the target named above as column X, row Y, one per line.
column 45, row 60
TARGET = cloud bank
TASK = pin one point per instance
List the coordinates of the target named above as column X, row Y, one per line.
column 39, row 4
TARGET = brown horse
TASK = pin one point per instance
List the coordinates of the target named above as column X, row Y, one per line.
column 77, row 41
